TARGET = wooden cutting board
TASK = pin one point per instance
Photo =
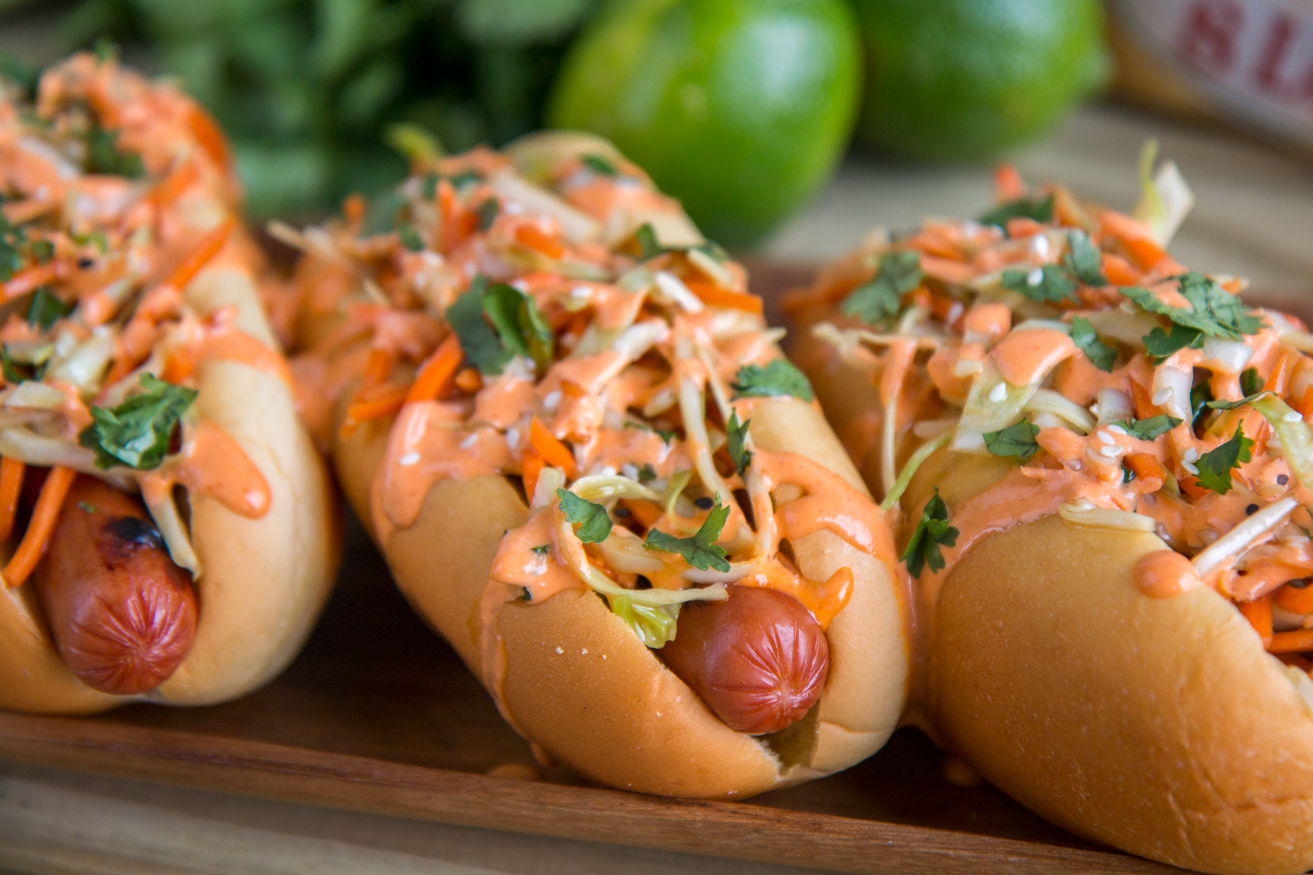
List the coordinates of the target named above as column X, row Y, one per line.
column 378, row 715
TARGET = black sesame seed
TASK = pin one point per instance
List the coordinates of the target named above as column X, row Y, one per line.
column 1283, row 479
column 623, row 512
column 1251, row 510
column 705, row 503
column 85, row 263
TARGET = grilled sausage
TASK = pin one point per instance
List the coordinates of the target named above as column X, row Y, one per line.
column 758, row 659
column 122, row 615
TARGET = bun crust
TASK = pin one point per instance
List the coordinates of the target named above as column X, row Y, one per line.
column 264, row 581
column 1156, row 725
column 583, row 687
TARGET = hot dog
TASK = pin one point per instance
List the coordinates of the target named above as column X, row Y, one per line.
column 121, row 613
column 1103, row 461
column 589, row 467
column 182, row 536
column 758, row 659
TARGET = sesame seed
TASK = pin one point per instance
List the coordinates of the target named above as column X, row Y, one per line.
column 85, row 263
column 470, row 441
column 1117, row 429
column 1292, row 416
column 1106, row 438
column 1191, row 455
column 408, row 459
column 513, row 438
column 1162, row 397
column 1193, row 469
column 1039, row 246
column 1111, row 452
column 623, row 512
column 998, row 393
column 552, row 400
column 705, row 503
column 1035, row 277
column 1283, row 479
column 1251, row 509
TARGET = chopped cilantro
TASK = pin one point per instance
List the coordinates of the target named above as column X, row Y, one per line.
column 1088, row 342
column 104, row 155
column 1022, row 208
column 1232, row 405
column 1049, row 283
column 647, row 473
column 1216, row 464
column 1149, row 429
column 42, row 251
column 1161, row 344
column 600, row 165
column 137, row 432
column 880, row 297
column 526, row 595
column 648, row 245
column 410, row 238
column 592, row 520
column 932, row 530
column 478, row 340
column 1083, row 259
column 46, row 309
column 15, row 371
column 1015, row 440
column 699, row 551
column 1250, row 382
column 86, row 508
column 519, row 323
column 776, row 379
column 1216, row 313
column 487, row 213
column 542, row 549
column 735, row 435
column 381, row 217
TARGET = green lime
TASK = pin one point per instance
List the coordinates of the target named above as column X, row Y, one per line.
column 965, row 79
column 740, row 108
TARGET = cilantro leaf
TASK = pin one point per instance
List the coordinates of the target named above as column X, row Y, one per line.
column 880, row 297
column 1216, row 464
column 1232, row 405
column 104, row 155
column 410, row 238
column 647, row 473
column 1087, row 341
column 1083, row 260
column 592, row 520
column 1015, row 440
column 1149, row 429
column 1216, row 313
column 1250, row 382
column 1044, row 284
column 519, row 323
column 932, row 530
column 381, row 217
column 137, row 432
column 776, row 379
column 13, row 371
column 734, row 437
column 648, row 245
column 478, row 340
column 487, row 213
column 653, row 624
column 1022, row 208
column 599, row 165
column 699, row 551
column 1161, row 345
column 46, row 309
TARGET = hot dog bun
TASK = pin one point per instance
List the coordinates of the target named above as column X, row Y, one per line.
column 238, row 491
column 569, row 673
column 1094, row 574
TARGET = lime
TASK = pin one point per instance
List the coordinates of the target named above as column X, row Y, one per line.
column 740, row 108
column 965, row 79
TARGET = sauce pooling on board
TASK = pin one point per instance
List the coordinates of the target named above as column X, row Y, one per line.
column 566, row 326
column 1128, row 393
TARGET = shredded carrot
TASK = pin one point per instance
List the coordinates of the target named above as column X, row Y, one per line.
column 1119, row 271
column 353, row 208
column 208, row 135
column 554, row 452
column 28, row 280
column 578, row 324
column 1295, row 600
column 1147, row 470
column 1021, row 226
column 1190, row 486
column 714, row 296
column 571, row 389
column 11, row 483
column 1276, row 381
column 536, row 240
column 177, row 367
column 1144, row 252
column 37, row 537
column 381, row 401
column 1306, row 403
column 1008, row 185
column 377, row 370
column 530, row 467
column 437, row 372
column 174, row 184
column 209, row 247
column 1259, row 615
column 1297, row 641
column 449, row 231
column 469, row 380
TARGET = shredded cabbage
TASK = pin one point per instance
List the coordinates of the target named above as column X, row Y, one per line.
column 1057, row 404
column 1106, row 518
column 922, row 453
column 993, row 403
column 1295, row 436
column 1165, row 198
column 654, row 625
column 1234, row 542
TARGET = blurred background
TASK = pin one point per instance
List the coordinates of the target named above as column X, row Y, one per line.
column 747, row 109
